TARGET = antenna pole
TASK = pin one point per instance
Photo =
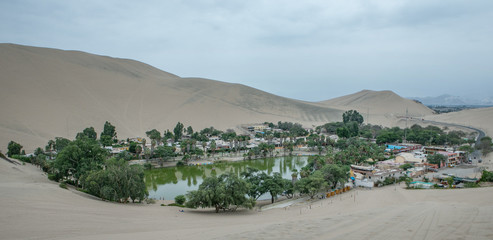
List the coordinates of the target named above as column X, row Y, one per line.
column 405, row 129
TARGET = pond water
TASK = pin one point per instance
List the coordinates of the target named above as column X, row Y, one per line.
column 168, row 183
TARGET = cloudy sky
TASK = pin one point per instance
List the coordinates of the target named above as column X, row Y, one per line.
column 310, row 50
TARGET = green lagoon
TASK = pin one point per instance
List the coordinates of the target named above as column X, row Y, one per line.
column 167, row 183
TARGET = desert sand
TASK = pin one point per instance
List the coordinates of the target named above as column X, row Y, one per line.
column 47, row 93
column 481, row 118
column 34, row 208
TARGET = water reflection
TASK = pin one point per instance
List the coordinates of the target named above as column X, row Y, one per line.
column 169, row 182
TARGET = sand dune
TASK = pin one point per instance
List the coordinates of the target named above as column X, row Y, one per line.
column 481, row 118
column 379, row 107
column 34, row 208
column 47, row 93
column 380, row 102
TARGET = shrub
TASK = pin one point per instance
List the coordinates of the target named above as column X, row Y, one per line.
column 180, row 199
column 487, row 176
column 406, row 166
column 22, row 158
column 83, row 190
column 150, row 201
column 408, row 181
column 389, row 180
column 63, row 185
column 471, row 185
column 175, row 205
column 53, row 177
column 147, row 166
column 180, row 163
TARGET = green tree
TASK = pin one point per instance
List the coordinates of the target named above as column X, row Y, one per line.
column 138, row 150
column 50, row 147
column 132, row 147
column 311, row 185
column 178, row 131
column 220, row 193
column 254, row 178
column 13, row 149
column 274, row 184
column 342, row 132
column 154, row 135
column 235, row 192
column 352, row 116
column 485, row 145
column 167, row 135
column 78, row 158
column 436, row 159
column 61, row 143
column 164, row 153
column 466, row 148
column 117, row 182
column 213, row 147
column 106, row 140
column 335, row 174
column 108, row 136
column 289, row 146
column 353, row 129
column 189, row 130
column 406, row 166
column 88, row 132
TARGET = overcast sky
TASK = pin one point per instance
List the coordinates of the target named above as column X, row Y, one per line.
column 309, row 50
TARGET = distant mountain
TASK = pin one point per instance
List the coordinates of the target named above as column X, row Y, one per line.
column 450, row 100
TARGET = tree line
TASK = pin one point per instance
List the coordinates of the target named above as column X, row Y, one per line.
column 230, row 191
column 88, row 166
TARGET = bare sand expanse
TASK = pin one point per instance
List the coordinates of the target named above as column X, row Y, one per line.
column 481, row 118
column 379, row 103
column 34, row 208
column 47, row 93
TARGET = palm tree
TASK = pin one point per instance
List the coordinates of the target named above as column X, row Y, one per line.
column 138, row 150
column 153, row 144
column 50, row 147
column 204, row 144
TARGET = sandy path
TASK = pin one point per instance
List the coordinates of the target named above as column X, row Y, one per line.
column 34, row 208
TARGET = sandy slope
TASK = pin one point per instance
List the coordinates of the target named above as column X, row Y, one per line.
column 46, row 93
column 34, row 208
column 480, row 118
column 379, row 107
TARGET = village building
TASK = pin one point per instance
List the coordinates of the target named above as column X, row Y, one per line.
column 371, row 176
column 404, row 147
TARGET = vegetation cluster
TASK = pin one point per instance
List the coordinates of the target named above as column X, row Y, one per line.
column 87, row 163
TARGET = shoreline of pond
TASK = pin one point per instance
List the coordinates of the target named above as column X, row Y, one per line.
column 168, row 182
column 216, row 159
